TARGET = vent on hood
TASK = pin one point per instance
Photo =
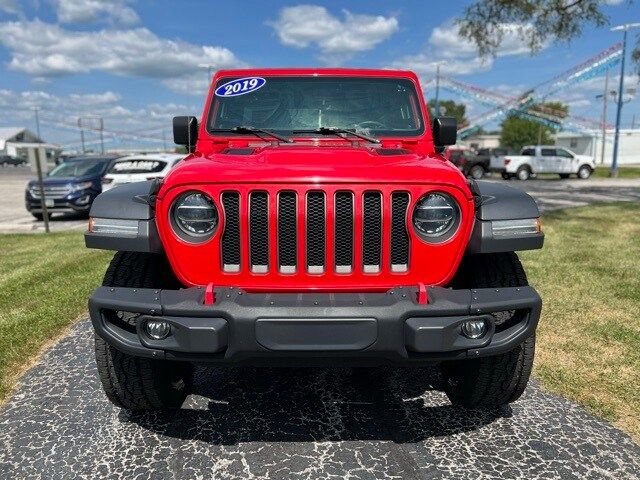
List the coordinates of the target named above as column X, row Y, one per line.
column 238, row 151
column 392, row 151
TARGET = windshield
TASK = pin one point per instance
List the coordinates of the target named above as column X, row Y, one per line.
column 370, row 105
column 138, row 166
column 79, row 168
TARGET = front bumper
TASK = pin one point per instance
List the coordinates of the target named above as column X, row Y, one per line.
column 314, row 328
column 75, row 202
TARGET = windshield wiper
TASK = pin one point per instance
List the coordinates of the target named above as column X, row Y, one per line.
column 254, row 130
column 339, row 132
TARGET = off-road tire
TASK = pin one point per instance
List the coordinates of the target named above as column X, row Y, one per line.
column 476, row 172
column 136, row 383
column 490, row 382
column 523, row 173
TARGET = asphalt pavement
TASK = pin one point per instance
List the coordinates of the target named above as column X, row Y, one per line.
column 307, row 423
column 247, row 423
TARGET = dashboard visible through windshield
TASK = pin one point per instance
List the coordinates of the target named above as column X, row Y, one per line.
column 372, row 105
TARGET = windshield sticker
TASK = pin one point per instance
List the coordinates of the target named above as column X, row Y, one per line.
column 141, row 165
column 240, row 86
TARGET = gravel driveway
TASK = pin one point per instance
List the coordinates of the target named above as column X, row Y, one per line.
column 352, row 423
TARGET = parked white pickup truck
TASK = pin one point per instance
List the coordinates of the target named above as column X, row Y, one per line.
column 547, row 159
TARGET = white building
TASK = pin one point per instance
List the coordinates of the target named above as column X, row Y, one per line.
column 18, row 142
column 591, row 144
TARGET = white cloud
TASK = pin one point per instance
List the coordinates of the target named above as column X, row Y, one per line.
column 45, row 50
column 424, row 64
column 59, row 116
column 446, row 40
column 9, row 6
column 94, row 11
column 337, row 39
column 458, row 55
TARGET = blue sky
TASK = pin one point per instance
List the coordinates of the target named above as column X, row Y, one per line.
column 136, row 62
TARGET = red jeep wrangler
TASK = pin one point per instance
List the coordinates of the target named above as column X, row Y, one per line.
column 314, row 223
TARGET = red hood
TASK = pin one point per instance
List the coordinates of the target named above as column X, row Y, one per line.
column 315, row 164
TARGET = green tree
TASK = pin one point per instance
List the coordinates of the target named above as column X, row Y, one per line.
column 486, row 22
column 451, row 109
column 518, row 131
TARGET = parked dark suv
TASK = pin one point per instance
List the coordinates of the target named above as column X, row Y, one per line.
column 70, row 187
column 9, row 160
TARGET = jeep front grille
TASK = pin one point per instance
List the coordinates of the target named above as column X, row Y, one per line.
column 315, row 231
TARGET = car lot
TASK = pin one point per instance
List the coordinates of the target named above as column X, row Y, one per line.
column 14, row 217
column 550, row 194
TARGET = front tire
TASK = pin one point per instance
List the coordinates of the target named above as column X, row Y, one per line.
column 491, row 381
column 506, row 176
column 523, row 173
column 136, row 383
column 476, row 172
column 584, row 172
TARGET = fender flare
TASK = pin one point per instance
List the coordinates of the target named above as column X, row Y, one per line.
column 123, row 219
column 497, row 202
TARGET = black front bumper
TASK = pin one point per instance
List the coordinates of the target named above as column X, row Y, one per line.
column 315, row 328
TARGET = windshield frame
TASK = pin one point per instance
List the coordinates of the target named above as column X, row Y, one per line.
column 419, row 134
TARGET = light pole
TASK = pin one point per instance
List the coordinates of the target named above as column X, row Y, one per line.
column 35, row 110
column 625, row 28
column 605, row 100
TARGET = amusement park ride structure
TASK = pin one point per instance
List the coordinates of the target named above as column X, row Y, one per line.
column 529, row 104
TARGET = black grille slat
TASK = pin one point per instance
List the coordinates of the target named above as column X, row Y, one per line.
column 259, row 231
column 399, row 234
column 287, row 232
column 343, row 239
column 230, row 242
column 372, row 231
column 315, row 232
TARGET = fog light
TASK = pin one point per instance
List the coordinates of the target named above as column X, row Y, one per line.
column 474, row 328
column 157, row 329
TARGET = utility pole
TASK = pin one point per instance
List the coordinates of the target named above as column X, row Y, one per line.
column 81, row 134
column 605, row 100
column 35, row 110
column 614, row 162
column 102, row 135
column 436, row 106
column 43, row 202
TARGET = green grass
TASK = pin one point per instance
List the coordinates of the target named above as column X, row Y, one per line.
column 623, row 172
column 588, row 275
column 45, row 281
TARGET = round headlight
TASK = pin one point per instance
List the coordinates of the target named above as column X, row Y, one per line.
column 194, row 216
column 436, row 217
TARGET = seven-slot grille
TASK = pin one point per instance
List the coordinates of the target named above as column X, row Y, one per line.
column 315, row 228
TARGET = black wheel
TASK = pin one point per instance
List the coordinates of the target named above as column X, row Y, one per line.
column 523, row 173
column 506, row 176
column 584, row 172
column 38, row 216
column 564, row 176
column 476, row 172
column 491, row 381
column 136, row 383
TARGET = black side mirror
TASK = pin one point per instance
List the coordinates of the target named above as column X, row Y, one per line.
column 185, row 132
column 445, row 132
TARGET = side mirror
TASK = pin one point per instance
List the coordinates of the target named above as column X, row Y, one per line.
column 185, row 132
column 445, row 132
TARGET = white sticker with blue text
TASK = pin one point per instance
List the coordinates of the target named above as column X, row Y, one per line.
column 240, row 86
